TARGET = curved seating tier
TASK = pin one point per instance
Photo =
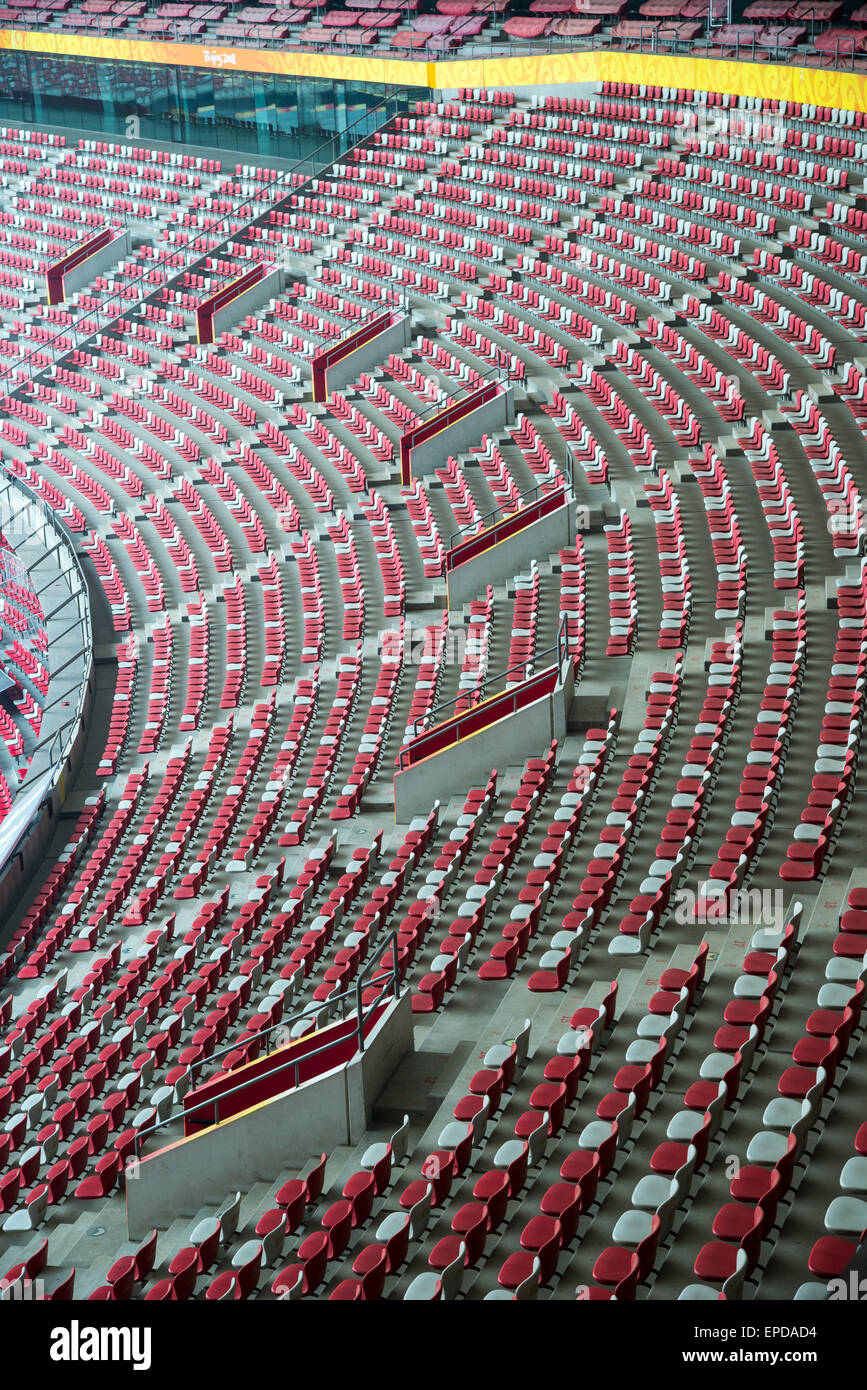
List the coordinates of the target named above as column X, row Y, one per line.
column 680, row 343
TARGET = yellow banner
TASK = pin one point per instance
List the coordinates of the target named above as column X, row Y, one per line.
column 351, row 68
column 821, row 87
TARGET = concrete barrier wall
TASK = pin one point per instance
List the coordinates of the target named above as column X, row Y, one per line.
column 506, row 558
column 247, row 302
column 259, row 1144
column 525, row 734
column 369, row 1072
column 372, row 354
column 103, row 259
column 463, row 434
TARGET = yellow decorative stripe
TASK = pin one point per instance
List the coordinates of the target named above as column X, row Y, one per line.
column 218, row 57
column 819, row 86
column 812, row 85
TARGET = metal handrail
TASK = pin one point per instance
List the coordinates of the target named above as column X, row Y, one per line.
column 478, row 526
column 477, row 696
column 527, row 497
column 497, row 372
column 363, row 975
column 811, row 13
column 391, row 975
column 308, row 1010
column 398, row 305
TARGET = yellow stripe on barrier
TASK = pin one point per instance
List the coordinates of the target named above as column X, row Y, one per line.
column 349, row 68
column 818, row 86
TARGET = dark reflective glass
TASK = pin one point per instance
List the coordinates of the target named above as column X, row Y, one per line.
column 256, row 114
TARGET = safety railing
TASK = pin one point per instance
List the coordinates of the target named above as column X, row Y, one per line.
column 559, row 648
column 521, row 502
column 279, row 1031
column 498, row 374
column 441, row 46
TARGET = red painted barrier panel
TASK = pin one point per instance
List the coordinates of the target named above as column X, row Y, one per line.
column 210, row 307
column 441, row 421
column 270, row 1075
column 510, row 525
column 57, row 270
column 482, row 716
column 326, row 357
